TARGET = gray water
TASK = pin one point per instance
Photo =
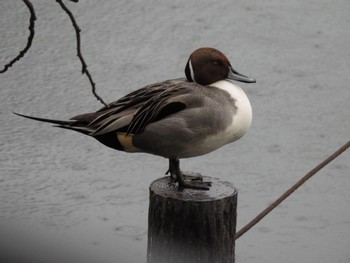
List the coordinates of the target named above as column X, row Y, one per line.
column 73, row 189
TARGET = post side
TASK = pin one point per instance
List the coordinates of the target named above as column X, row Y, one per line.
column 191, row 225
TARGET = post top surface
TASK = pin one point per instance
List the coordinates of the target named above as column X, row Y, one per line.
column 166, row 187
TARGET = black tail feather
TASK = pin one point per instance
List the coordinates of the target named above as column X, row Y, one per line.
column 109, row 139
column 58, row 122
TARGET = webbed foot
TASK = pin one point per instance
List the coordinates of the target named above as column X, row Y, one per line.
column 186, row 179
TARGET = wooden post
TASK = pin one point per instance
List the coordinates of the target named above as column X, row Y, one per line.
column 191, row 225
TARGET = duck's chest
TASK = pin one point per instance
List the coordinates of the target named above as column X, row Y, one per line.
column 239, row 119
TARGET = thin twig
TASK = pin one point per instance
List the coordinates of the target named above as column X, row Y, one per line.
column 30, row 37
column 291, row 190
column 79, row 54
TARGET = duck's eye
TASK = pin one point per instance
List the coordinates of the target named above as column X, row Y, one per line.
column 215, row 62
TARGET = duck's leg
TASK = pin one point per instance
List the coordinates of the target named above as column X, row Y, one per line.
column 187, row 181
column 171, row 169
column 187, row 175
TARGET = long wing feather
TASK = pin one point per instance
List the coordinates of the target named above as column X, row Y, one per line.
column 141, row 106
column 150, row 111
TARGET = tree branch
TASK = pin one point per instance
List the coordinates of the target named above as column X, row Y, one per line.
column 79, row 54
column 30, row 38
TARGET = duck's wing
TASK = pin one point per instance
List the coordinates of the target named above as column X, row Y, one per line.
column 158, row 107
column 132, row 113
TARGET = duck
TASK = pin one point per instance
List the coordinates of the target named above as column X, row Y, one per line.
column 175, row 119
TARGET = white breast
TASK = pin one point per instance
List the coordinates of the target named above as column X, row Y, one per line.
column 241, row 120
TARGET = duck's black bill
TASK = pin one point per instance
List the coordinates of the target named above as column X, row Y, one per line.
column 234, row 75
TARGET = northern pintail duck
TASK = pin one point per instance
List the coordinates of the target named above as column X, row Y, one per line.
column 177, row 118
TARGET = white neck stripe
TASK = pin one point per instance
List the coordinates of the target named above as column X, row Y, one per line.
column 191, row 71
